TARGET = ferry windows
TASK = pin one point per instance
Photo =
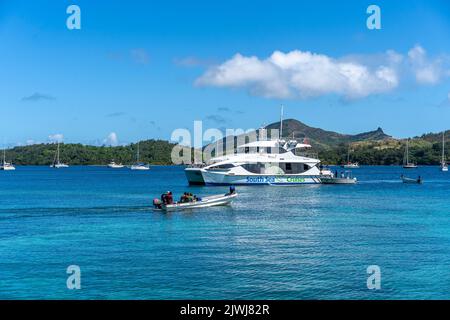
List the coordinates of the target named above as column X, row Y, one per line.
column 223, row 166
column 288, row 166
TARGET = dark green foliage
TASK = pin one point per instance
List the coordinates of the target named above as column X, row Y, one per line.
column 370, row 148
column 151, row 151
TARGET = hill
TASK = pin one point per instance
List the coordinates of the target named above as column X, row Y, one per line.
column 323, row 139
column 151, row 151
column 370, row 148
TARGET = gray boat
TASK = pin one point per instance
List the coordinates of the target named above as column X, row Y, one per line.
column 344, row 178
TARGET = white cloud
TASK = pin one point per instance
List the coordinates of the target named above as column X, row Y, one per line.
column 57, row 137
column 298, row 73
column 305, row 74
column 30, row 142
column 426, row 71
column 111, row 140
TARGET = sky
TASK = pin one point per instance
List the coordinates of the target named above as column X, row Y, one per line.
column 141, row 69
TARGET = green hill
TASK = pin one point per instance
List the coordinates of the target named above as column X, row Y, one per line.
column 151, row 151
column 370, row 148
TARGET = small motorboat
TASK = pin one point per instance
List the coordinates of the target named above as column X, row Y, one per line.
column 344, row 178
column 140, row 166
column 411, row 181
column 114, row 165
column 204, row 202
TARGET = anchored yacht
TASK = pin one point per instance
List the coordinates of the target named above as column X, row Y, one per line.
column 56, row 162
column 6, row 166
column 444, row 166
column 271, row 162
column 264, row 167
column 139, row 165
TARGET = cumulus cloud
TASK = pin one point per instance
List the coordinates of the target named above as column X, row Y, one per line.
column 111, row 140
column 298, row 73
column 38, row 97
column 57, row 137
column 427, row 71
column 303, row 74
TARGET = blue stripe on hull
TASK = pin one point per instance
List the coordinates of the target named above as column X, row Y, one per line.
column 258, row 184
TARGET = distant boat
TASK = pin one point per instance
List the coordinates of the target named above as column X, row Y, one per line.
column 406, row 163
column 344, row 178
column 444, row 166
column 6, row 166
column 56, row 162
column 139, row 165
column 350, row 165
column 114, row 165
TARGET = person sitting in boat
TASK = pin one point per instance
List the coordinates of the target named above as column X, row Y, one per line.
column 164, row 198
column 232, row 190
column 183, row 198
column 190, row 197
column 157, row 203
column 169, row 197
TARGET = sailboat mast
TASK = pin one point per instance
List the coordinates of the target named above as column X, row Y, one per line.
column 348, row 154
column 57, row 154
column 138, row 152
column 407, row 151
column 443, row 147
column 281, row 123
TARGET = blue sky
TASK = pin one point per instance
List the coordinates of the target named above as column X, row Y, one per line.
column 142, row 69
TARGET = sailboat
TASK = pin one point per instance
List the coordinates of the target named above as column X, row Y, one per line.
column 444, row 166
column 406, row 163
column 6, row 166
column 56, row 162
column 139, row 165
column 350, row 165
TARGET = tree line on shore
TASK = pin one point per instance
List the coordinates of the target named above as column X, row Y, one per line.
column 385, row 152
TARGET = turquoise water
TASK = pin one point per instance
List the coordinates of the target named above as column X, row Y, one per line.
column 304, row 242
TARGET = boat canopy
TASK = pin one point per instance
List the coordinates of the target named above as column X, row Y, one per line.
column 275, row 144
column 261, row 144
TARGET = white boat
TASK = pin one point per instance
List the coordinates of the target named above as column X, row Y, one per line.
column 139, row 165
column 444, row 166
column 274, row 162
column 350, row 165
column 6, row 166
column 194, row 175
column 406, row 163
column 204, row 202
column 56, row 162
column 345, row 178
column 114, row 165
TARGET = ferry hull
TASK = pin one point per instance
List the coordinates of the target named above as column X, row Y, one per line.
column 194, row 176
column 218, row 179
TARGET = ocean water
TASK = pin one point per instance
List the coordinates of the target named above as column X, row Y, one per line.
column 303, row 242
